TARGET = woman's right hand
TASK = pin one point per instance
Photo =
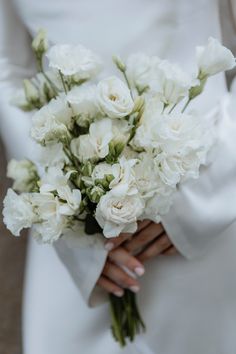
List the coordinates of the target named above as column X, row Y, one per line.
column 114, row 279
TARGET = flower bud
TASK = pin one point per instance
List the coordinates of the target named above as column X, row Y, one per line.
column 138, row 104
column 31, row 92
column 119, row 63
column 198, row 89
column 40, row 43
column 95, row 194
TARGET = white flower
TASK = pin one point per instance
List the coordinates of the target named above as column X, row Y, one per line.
column 147, row 178
column 23, row 173
column 101, row 170
column 172, row 83
column 214, row 58
column 141, row 69
column 52, row 155
column 17, row 212
column 48, row 206
column 124, row 182
column 83, row 100
column 49, row 231
column 53, row 217
column 55, row 180
column 157, row 206
column 120, row 130
column 116, row 215
column 83, row 149
column 51, row 122
column 179, row 133
column 170, row 169
column 75, row 61
column 94, row 145
column 147, row 134
column 114, row 98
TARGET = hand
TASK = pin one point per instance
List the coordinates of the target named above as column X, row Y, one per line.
column 114, row 279
column 149, row 241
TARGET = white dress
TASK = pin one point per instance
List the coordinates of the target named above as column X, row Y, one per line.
column 188, row 301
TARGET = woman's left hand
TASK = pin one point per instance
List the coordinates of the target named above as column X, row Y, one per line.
column 149, row 241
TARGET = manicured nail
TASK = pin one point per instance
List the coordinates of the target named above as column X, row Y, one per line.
column 119, row 293
column 139, row 271
column 109, row 246
column 134, row 288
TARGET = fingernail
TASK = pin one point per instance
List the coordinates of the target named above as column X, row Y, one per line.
column 134, row 288
column 109, row 246
column 119, row 293
column 139, row 271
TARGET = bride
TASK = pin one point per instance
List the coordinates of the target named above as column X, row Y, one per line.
column 186, row 270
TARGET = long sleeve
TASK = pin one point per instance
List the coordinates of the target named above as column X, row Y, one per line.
column 16, row 63
column 204, row 209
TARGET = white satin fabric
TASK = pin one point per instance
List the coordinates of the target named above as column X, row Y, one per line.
column 188, row 301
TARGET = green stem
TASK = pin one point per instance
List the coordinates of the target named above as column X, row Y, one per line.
column 125, row 317
column 186, row 105
column 128, row 84
column 171, row 110
column 63, row 82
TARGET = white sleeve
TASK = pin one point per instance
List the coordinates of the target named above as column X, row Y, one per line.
column 203, row 209
column 16, row 63
column 84, row 260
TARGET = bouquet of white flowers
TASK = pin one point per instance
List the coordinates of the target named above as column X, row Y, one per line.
column 114, row 149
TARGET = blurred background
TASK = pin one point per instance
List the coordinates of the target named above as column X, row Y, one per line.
column 12, row 260
column 13, row 250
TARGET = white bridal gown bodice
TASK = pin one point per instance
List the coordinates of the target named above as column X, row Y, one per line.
column 188, row 301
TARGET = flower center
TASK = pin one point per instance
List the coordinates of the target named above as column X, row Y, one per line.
column 113, row 97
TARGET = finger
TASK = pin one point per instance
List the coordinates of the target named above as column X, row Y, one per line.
column 156, row 248
column 170, row 251
column 117, row 241
column 120, row 277
column 142, row 225
column 144, row 237
column 110, row 287
column 122, row 257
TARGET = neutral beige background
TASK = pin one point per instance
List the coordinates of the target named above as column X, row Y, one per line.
column 12, row 258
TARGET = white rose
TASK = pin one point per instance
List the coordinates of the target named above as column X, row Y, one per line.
column 179, row 133
column 24, row 173
column 83, row 100
column 114, row 98
column 17, row 212
column 75, row 61
column 51, row 122
column 214, row 58
column 141, row 69
column 172, row 83
column 94, row 145
column 116, row 215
